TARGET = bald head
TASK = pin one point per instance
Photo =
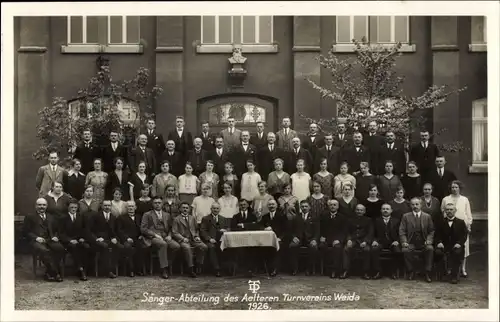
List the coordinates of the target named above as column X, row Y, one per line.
column 41, row 205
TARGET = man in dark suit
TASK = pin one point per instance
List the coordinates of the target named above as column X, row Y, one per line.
column 220, row 156
column 451, row 234
column 183, row 139
column 212, row 228
column 391, row 150
column 276, row 221
column 373, row 141
column 424, row 153
column 333, row 228
column 313, row 141
column 242, row 153
column 198, row 157
column 285, row 135
column 440, row 178
column 185, row 232
column 331, row 153
column 113, row 150
column 245, row 219
column 359, row 238
column 355, row 154
column 207, row 137
column 296, row 154
column 342, row 139
column 86, row 152
column 416, row 233
column 155, row 141
column 41, row 229
column 128, row 229
column 259, row 139
column 156, row 228
column 142, row 153
column 176, row 160
column 72, row 236
column 267, row 154
column 386, row 237
column 305, row 233
column 101, row 234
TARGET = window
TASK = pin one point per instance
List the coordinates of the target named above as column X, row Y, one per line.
column 103, row 33
column 253, row 33
column 242, row 112
column 385, row 30
column 480, row 132
column 478, row 34
column 127, row 109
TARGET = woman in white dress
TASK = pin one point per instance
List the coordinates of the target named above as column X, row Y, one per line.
column 301, row 182
column 341, row 179
column 463, row 212
column 260, row 201
column 250, row 183
column 228, row 202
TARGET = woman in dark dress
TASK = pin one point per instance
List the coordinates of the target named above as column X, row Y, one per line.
column 373, row 203
column 171, row 202
column 347, row 203
column 144, row 203
column 431, row 204
column 399, row 204
column 74, row 181
column 118, row 178
column 364, row 180
column 317, row 200
column 57, row 200
column 137, row 180
column 88, row 204
column 412, row 182
column 388, row 183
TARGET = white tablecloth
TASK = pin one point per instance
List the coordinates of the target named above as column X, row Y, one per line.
column 259, row 238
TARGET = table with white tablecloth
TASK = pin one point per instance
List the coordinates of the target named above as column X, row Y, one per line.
column 255, row 238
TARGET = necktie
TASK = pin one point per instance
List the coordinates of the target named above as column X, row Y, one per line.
column 72, row 217
column 305, row 216
column 341, row 136
column 219, row 152
column 272, row 215
column 450, row 219
column 286, row 132
column 53, row 168
column 260, row 135
column 216, row 219
column 296, row 151
column 441, row 173
column 271, row 148
column 43, row 217
column 244, row 215
column 106, row 216
column 187, row 222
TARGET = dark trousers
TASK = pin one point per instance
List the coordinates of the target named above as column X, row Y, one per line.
column 133, row 253
column 350, row 252
column 245, row 257
column 214, row 255
column 411, row 253
column 332, row 256
column 273, row 256
column 395, row 253
column 110, row 253
column 312, row 254
column 79, row 253
column 50, row 254
column 453, row 257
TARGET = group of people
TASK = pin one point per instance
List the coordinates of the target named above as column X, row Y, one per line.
column 337, row 195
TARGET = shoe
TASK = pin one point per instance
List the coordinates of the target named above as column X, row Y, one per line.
column 83, row 276
column 111, row 275
column 48, row 277
column 164, row 273
column 217, row 273
column 411, row 276
column 366, row 276
column 251, row 274
column 377, row 276
column 294, row 272
column 464, row 275
column 344, row 275
column 131, row 274
column 58, row 278
column 308, row 273
column 428, row 278
column 394, row 276
column 192, row 273
column 454, row 281
column 139, row 273
column 273, row 273
column 198, row 270
column 333, row 275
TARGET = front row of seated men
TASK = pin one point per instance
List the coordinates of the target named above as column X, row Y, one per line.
column 338, row 238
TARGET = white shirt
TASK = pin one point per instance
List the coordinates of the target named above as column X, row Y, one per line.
column 297, row 150
column 424, row 144
column 231, row 130
column 450, row 220
column 132, row 216
column 341, row 136
column 357, row 148
column 386, row 219
column 286, row 131
column 73, row 216
column 440, row 171
column 305, row 216
column 114, row 145
column 42, row 216
column 260, row 135
column 390, row 145
column 313, row 138
column 272, row 214
column 271, row 147
column 417, row 214
column 244, row 214
column 106, row 216
column 170, row 153
column 216, row 217
column 53, row 167
column 159, row 214
column 180, row 131
column 150, row 132
column 219, row 151
column 328, row 147
column 245, row 146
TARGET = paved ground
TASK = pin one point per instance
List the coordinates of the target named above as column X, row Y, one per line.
column 125, row 293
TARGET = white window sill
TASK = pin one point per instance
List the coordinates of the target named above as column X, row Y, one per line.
column 478, row 168
column 350, row 48
column 228, row 48
column 477, row 48
column 108, row 49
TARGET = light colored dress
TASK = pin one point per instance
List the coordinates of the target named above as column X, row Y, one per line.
column 300, row 185
column 201, row 207
column 118, row 208
column 98, row 181
column 188, row 188
column 260, row 203
column 160, row 183
column 249, row 185
column 340, row 180
column 228, row 206
column 213, row 181
column 463, row 212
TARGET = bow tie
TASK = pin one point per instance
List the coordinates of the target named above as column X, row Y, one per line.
column 451, row 219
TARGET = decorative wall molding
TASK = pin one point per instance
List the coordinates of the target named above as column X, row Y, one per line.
column 32, row 49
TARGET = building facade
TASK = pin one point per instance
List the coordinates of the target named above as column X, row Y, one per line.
column 188, row 57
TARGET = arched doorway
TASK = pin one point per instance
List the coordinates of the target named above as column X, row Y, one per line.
column 247, row 111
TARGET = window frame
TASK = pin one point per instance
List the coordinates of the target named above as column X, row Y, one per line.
column 255, row 47
column 108, row 47
column 480, row 46
column 478, row 166
column 350, row 47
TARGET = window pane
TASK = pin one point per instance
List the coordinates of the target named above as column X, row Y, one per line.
column 208, row 28
column 401, row 29
column 343, row 29
column 224, row 29
column 133, row 29
column 116, row 30
column 265, row 29
column 477, row 30
column 92, row 29
column 76, row 30
column 479, row 110
column 249, row 29
column 237, row 29
column 484, row 156
column 373, row 29
column 384, row 29
column 360, row 27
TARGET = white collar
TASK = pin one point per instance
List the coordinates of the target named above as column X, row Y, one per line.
column 52, row 166
column 72, row 172
column 417, row 213
column 180, row 130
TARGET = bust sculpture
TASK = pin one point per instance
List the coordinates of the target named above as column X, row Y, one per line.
column 237, row 57
column 237, row 72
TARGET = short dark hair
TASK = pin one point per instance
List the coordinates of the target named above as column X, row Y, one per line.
column 304, row 202
column 184, row 203
column 73, row 201
column 157, row 197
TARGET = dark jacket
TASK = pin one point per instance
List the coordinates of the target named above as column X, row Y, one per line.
column 219, row 161
column 304, row 154
column 183, row 143
column 240, row 157
column 360, row 229
column 306, row 230
column 384, row 234
column 248, row 223
column 35, row 227
column 333, row 228
column 396, row 155
column 278, row 223
column 258, row 142
column 87, row 156
column 108, row 156
column 441, row 185
column 155, row 143
column 97, row 226
column 69, row 229
column 73, row 185
column 198, row 161
column 137, row 155
column 177, row 162
column 211, row 229
column 265, row 159
column 449, row 236
column 128, row 228
column 332, row 157
column 425, row 158
column 113, row 183
column 208, row 141
column 354, row 157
